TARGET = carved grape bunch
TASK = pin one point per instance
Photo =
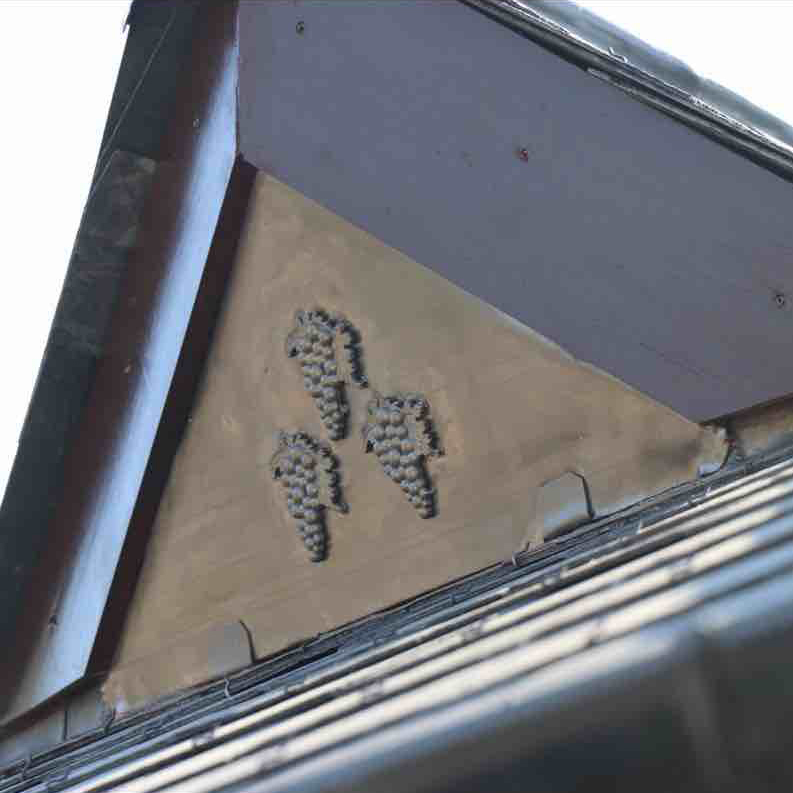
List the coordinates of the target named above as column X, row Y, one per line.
column 399, row 429
column 308, row 471
column 400, row 432
column 327, row 347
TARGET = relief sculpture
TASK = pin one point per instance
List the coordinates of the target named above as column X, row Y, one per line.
column 327, row 347
column 308, row 471
column 400, row 432
column 399, row 429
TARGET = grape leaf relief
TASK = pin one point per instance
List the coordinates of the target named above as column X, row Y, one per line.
column 308, row 472
column 400, row 432
column 327, row 348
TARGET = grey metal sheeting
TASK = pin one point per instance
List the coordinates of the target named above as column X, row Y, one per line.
column 610, row 600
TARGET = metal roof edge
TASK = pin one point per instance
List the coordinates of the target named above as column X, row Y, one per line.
column 125, row 351
column 650, row 74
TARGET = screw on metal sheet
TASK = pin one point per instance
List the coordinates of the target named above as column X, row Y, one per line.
column 780, row 299
column 300, row 28
column 523, row 154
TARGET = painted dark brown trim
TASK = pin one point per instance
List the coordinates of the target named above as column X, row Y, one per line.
column 135, row 412
column 186, row 381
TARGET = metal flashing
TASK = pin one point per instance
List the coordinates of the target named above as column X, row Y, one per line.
column 649, row 74
column 563, row 505
column 668, row 618
column 126, row 406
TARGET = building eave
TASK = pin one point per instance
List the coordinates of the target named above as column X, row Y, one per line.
column 650, row 75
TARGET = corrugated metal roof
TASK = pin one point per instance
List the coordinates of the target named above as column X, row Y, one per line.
column 629, row 628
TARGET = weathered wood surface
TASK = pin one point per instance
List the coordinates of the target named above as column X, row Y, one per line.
column 513, row 411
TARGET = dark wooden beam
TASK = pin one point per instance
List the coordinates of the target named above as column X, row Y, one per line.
column 137, row 398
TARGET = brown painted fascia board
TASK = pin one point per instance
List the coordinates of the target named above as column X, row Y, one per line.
column 142, row 389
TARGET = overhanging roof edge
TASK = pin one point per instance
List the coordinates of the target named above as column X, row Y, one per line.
column 620, row 56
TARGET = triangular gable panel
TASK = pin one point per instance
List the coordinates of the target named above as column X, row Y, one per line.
column 514, row 416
